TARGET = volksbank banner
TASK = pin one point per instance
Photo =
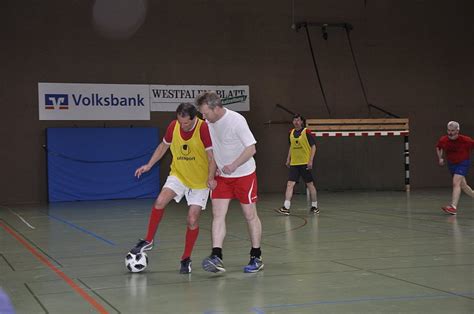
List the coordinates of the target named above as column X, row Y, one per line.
column 168, row 97
column 76, row 101
column 72, row 101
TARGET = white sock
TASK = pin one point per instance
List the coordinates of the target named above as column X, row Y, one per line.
column 287, row 204
column 314, row 204
column 453, row 206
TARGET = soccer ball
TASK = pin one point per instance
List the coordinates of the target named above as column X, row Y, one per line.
column 136, row 263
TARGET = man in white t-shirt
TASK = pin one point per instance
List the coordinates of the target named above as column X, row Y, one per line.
column 234, row 147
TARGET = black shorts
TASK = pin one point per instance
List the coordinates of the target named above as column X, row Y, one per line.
column 297, row 171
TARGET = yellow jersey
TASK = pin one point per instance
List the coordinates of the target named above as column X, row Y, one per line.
column 190, row 164
column 300, row 150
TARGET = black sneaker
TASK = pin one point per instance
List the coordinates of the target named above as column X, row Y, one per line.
column 142, row 245
column 282, row 210
column 185, row 266
column 314, row 210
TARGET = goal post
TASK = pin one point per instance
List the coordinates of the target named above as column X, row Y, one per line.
column 366, row 127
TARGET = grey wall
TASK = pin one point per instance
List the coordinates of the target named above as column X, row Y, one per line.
column 415, row 59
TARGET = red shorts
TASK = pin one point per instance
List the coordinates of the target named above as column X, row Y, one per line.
column 242, row 188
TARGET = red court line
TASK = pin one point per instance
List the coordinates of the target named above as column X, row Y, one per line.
column 45, row 261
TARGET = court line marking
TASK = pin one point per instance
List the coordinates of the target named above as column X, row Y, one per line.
column 386, row 225
column 468, row 296
column 70, row 224
column 32, row 243
column 62, row 275
column 304, row 223
column 99, row 296
column 261, row 309
column 21, row 218
column 36, row 298
column 348, row 301
column 6, row 261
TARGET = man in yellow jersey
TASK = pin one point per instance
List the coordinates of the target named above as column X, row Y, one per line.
column 192, row 174
column 300, row 161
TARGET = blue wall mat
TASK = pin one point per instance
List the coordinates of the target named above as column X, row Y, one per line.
column 99, row 163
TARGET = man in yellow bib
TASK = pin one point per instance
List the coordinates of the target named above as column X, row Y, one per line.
column 300, row 161
column 192, row 174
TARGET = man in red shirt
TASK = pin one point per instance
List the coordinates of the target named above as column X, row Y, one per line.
column 457, row 149
column 192, row 174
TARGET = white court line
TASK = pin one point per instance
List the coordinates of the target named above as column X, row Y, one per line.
column 21, row 218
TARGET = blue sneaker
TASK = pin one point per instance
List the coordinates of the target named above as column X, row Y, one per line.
column 141, row 246
column 185, row 266
column 213, row 264
column 254, row 265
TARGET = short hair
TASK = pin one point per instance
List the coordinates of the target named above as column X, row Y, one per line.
column 186, row 109
column 453, row 125
column 209, row 98
column 297, row 115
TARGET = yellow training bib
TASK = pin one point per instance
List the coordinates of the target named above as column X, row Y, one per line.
column 190, row 163
column 300, row 151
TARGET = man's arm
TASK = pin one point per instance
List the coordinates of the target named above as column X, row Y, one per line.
column 288, row 158
column 211, row 182
column 312, row 143
column 311, row 157
column 157, row 155
column 246, row 154
column 440, row 153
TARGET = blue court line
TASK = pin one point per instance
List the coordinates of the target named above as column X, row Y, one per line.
column 261, row 310
column 257, row 310
column 82, row 230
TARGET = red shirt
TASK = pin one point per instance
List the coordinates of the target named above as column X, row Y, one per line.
column 456, row 150
column 204, row 133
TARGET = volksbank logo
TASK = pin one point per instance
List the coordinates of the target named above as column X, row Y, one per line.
column 60, row 101
column 96, row 99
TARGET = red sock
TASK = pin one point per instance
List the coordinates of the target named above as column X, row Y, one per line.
column 155, row 218
column 191, row 237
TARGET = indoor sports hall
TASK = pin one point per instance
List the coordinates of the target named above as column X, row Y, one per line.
column 89, row 89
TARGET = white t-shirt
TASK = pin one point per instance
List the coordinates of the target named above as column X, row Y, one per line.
column 230, row 136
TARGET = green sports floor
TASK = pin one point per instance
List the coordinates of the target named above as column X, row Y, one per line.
column 367, row 252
